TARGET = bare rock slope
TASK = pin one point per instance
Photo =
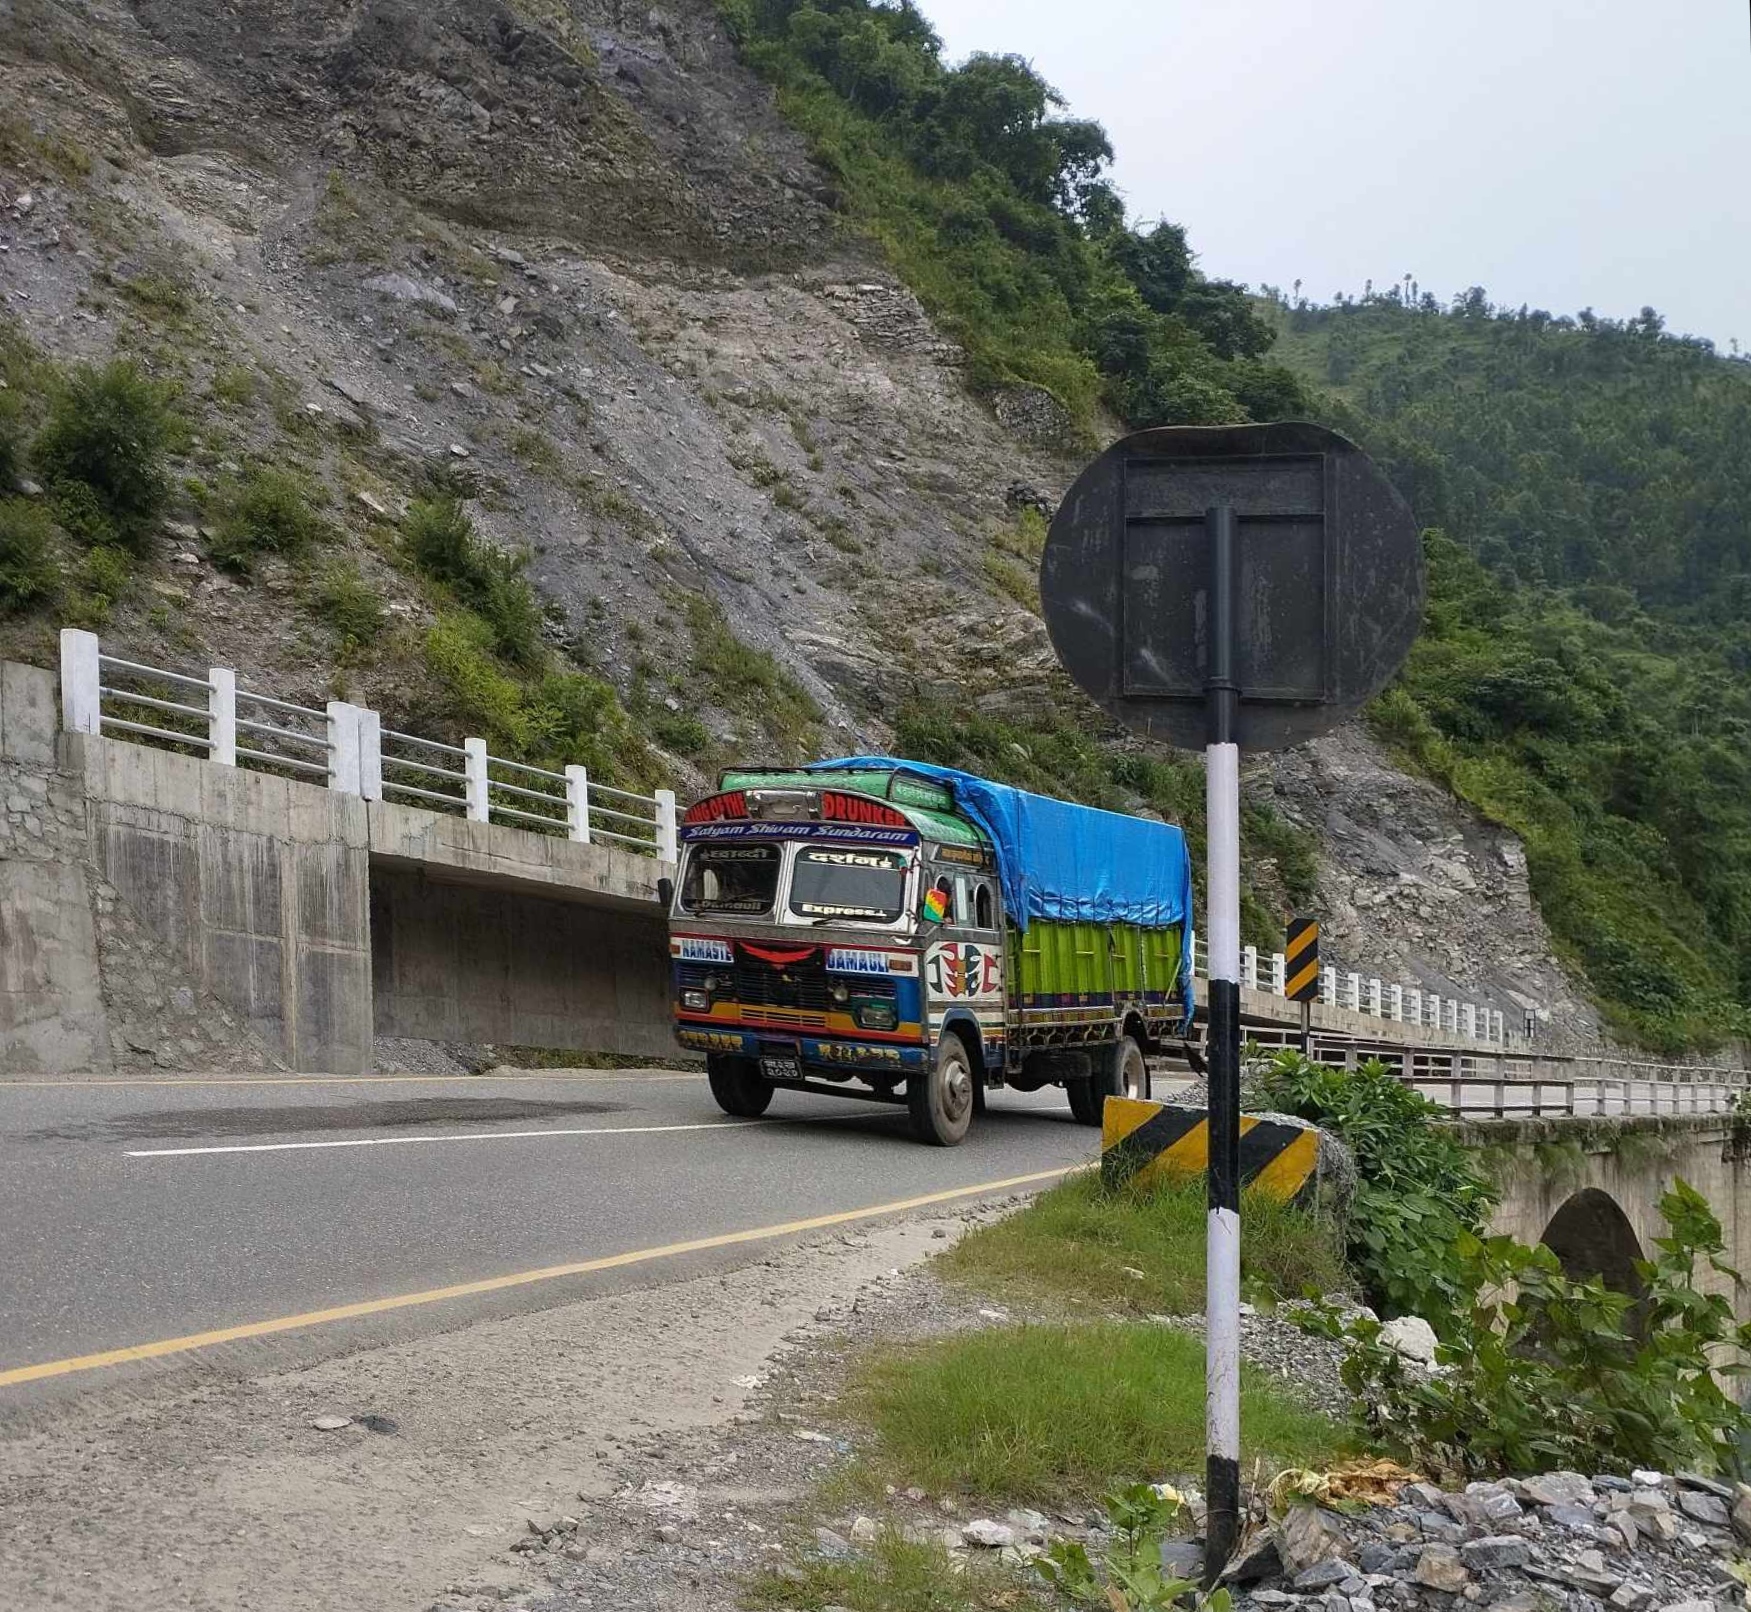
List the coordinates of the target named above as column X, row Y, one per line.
column 569, row 252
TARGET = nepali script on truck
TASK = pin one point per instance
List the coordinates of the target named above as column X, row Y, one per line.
column 911, row 934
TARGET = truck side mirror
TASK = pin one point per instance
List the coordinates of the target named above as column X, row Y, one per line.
column 666, row 893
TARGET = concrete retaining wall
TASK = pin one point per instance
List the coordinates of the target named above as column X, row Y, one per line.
column 157, row 909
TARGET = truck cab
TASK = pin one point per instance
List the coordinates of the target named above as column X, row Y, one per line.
column 843, row 929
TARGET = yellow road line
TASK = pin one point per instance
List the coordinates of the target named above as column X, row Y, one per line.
column 373, row 1080
column 496, row 1284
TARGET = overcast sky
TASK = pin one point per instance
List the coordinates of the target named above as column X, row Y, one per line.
column 1562, row 153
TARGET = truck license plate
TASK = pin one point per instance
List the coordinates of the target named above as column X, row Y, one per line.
column 781, row 1068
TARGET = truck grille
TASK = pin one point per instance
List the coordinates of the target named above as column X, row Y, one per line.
column 801, row 986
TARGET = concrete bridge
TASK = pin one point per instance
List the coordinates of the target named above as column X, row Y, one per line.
column 1590, row 1188
column 167, row 910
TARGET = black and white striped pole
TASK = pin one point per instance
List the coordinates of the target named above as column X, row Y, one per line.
column 1222, row 898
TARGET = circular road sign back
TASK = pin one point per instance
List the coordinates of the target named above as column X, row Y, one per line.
column 1329, row 591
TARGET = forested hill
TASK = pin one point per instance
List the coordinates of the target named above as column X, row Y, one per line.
column 1585, row 673
column 1585, row 676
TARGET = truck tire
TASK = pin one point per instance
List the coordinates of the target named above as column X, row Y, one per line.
column 737, row 1085
column 940, row 1100
column 1119, row 1072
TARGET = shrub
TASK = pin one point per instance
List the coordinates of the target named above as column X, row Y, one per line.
column 1420, row 1192
column 350, row 605
column 107, row 431
column 28, row 573
column 267, row 512
column 681, row 732
column 101, row 579
column 442, row 540
column 11, row 441
column 1567, row 1373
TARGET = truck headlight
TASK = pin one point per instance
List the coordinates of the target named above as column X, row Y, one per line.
column 695, row 999
column 876, row 1015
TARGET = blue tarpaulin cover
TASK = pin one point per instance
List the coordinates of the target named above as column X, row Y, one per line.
column 1076, row 864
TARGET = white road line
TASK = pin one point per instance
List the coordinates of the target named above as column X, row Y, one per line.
column 393, row 1141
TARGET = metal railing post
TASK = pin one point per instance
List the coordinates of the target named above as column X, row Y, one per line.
column 577, row 804
column 81, row 680
column 475, row 781
column 668, row 829
column 222, row 715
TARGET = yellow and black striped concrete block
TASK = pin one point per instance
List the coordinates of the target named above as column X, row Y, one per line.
column 1143, row 1143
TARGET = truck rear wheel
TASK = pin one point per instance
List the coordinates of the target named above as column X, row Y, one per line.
column 1119, row 1072
column 738, row 1085
column 941, row 1099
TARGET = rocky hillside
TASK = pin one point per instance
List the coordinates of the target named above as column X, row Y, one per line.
column 725, row 489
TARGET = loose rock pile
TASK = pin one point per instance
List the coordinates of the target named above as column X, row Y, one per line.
column 1647, row 1543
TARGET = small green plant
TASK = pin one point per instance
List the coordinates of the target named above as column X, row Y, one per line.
column 1011, row 581
column 442, row 540
column 1420, row 1189
column 350, row 605
column 681, row 732
column 268, row 511
column 893, row 1574
column 534, row 450
column 1130, row 1577
column 28, row 573
column 1567, row 1373
column 11, row 440
column 99, row 582
column 749, row 681
column 233, row 386
column 107, row 432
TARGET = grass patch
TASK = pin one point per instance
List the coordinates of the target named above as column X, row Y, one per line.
column 267, row 511
column 1081, row 1242
column 1011, row 581
column 350, row 605
column 28, row 573
column 895, row 1576
column 534, row 450
column 444, row 544
column 1045, row 1413
column 748, row 681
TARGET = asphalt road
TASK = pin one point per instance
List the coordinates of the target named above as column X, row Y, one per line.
column 137, row 1212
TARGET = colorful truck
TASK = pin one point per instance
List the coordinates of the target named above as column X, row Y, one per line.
column 900, row 932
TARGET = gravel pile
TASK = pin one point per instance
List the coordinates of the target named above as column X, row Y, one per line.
column 1647, row 1543
column 1275, row 1343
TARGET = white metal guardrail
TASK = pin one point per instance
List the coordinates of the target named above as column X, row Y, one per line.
column 1391, row 1001
column 1502, row 1084
column 348, row 748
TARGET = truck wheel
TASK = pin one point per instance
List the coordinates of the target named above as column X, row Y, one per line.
column 1130, row 1074
column 1087, row 1099
column 737, row 1085
column 941, row 1100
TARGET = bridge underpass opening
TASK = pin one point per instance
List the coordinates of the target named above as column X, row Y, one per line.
column 481, row 963
column 1591, row 1236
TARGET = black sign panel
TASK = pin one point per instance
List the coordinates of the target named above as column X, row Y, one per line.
column 1330, row 579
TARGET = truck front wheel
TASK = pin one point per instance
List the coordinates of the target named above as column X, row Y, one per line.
column 941, row 1100
column 737, row 1085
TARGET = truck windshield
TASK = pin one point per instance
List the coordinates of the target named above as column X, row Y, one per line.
column 864, row 886
column 730, row 878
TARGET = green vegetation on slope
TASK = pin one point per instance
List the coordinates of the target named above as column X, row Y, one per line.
column 995, row 211
column 1584, row 676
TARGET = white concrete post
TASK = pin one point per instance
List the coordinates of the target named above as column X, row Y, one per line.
column 1374, row 997
column 577, row 804
column 1434, row 1010
column 81, row 681
column 474, row 766
column 1497, row 1032
column 1353, row 992
column 1395, row 1003
column 343, row 747
column 1328, row 986
column 668, row 828
column 1452, row 1010
column 1249, row 967
column 1470, row 1021
column 370, row 753
column 222, row 715
column 1279, row 974
column 1414, row 1004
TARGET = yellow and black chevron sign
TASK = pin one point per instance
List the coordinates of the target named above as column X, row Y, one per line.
column 1301, row 960
column 1143, row 1143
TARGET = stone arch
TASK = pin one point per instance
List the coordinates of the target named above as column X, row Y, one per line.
column 1592, row 1236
